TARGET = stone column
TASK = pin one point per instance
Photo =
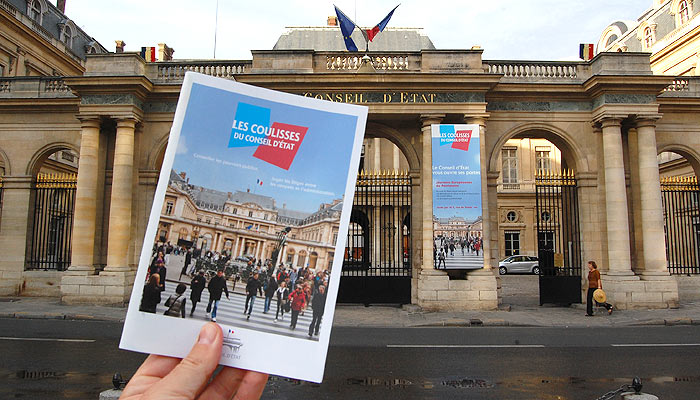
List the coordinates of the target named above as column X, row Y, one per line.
column 652, row 207
column 427, row 189
column 120, row 206
column 14, row 233
column 490, row 241
column 616, row 200
column 82, row 247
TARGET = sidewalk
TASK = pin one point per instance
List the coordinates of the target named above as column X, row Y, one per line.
column 397, row 317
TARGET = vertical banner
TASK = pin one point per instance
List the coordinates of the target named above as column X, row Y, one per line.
column 457, row 219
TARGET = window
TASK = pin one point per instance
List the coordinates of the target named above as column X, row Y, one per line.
column 169, row 208
column 208, row 221
column 34, row 10
column 545, row 240
column 512, row 243
column 611, row 39
column 510, row 165
column 2, row 70
column 250, row 213
column 163, row 235
column 683, row 12
column 511, row 216
column 544, row 164
column 235, row 210
column 648, row 37
column 67, row 32
column 545, row 216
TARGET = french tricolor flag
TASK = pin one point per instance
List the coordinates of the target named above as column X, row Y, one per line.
column 586, row 52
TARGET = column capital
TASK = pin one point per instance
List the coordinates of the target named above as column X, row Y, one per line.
column 127, row 123
column 610, row 122
column 430, row 119
column 645, row 121
column 89, row 121
column 476, row 119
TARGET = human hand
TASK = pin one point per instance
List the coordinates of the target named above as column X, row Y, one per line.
column 161, row 377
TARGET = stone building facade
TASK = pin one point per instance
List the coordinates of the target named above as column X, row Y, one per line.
column 608, row 120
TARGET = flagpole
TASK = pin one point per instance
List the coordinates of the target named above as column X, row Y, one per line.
column 216, row 25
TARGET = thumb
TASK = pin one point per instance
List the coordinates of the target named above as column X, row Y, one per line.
column 190, row 377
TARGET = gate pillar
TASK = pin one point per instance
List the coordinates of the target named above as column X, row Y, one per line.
column 14, row 233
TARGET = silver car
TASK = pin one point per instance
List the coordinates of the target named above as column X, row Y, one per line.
column 527, row 264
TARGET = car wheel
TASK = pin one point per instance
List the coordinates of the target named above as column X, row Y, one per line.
column 502, row 270
column 536, row 270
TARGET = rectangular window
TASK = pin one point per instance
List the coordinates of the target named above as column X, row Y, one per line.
column 235, row 210
column 512, row 243
column 169, row 208
column 510, row 165
column 545, row 240
column 544, row 163
column 250, row 213
column 162, row 236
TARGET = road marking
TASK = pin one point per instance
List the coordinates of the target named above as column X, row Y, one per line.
column 463, row 346
column 47, row 339
column 654, row 344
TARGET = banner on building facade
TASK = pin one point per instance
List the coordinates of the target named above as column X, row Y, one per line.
column 248, row 227
column 457, row 216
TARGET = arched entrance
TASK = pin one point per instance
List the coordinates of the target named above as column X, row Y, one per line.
column 539, row 245
column 680, row 195
column 52, row 203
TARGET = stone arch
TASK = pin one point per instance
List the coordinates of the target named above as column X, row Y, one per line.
column 155, row 157
column 44, row 152
column 378, row 130
column 570, row 149
column 690, row 154
column 6, row 163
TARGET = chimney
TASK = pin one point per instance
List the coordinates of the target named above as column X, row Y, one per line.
column 247, row 190
column 61, row 5
column 332, row 20
column 165, row 53
column 183, row 175
column 120, row 46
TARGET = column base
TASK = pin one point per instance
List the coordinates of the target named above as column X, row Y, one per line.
column 437, row 292
column 647, row 293
column 109, row 288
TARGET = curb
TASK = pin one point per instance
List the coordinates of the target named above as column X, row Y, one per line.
column 58, row 316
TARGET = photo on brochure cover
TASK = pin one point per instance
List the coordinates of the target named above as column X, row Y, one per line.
column 251, row 216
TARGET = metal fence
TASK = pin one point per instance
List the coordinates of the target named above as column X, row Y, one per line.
column 377, row 259
column 681, row 197
column 53, row 197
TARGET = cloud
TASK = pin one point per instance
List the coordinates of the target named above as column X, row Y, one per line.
column 181, row 146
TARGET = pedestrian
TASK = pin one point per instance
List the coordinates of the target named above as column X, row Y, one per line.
column 270, row 292
column 162, row 272
column 318, row 305
column 293, row 277
column 477, row 246
column 197, row 287
column 251, row 288
column 594, row 283
column 452, row 248
column 282, row 294
column 152, row 268
column 177, row 303
column 217, row 284
column 188, row 261
column 298, row 300
column 441, row 259
column 151, row 294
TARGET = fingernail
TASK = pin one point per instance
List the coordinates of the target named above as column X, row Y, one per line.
column 208, row 334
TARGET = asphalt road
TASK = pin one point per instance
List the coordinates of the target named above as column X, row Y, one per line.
column 76, row 359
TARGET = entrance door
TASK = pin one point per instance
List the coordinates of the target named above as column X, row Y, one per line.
column 558, row 238
column 376, row 264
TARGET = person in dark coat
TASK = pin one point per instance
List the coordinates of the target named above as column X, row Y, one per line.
column 151, row 295
column 318, row 304
column 197, row 287
column 270, row 292
column 217, row 285
column 252, row 288
column 177, row 303
column 162, row 272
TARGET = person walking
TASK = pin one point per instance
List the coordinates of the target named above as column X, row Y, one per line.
column 162, row 272
column 594, row 283
column 197, row 287
column 252, row 288
column 282, row 294
column 318, row 305
column 151, row 295
column 177, row 303
column 217, row 285
column 441, row 259
column 270, row 292
column 298, row 300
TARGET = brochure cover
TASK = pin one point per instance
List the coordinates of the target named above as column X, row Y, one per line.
column 248, row 227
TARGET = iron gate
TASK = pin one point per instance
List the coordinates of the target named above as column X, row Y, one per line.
column 53, row 196
column 681, row 202
column 377, row 260
column 558, row 238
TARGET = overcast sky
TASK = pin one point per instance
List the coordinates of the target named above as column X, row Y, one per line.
column 505, row 29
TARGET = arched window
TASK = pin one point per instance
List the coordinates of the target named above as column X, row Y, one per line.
column 611, row 39
column 648, row 37
column 67, row 31
column 35, row 10
column 683, row 12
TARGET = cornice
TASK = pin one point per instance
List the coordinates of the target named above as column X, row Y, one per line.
column 637, row 84
column 137, row 85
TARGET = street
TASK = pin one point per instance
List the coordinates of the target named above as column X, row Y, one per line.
column 76, row 359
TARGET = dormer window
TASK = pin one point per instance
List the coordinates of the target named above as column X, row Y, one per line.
column 67, row 33
column 35, row 10
column 648, row 37
column 683, row 12
column 646, row 33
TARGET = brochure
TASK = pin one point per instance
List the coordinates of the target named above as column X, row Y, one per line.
column 248, row 227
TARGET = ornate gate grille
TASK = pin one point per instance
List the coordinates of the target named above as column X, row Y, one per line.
column 681, row 201
column 558, row 238
column 377, row 260
column 53, row 196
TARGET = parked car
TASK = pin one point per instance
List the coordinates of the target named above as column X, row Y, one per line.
column 526, row 264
